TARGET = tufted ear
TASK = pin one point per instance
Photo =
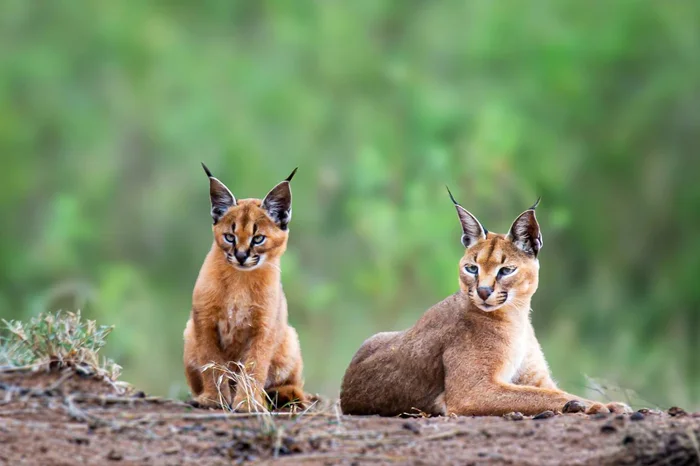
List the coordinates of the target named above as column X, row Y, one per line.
column 472, row 230
column 525, row 232
column 278, row 202
column 220, row 196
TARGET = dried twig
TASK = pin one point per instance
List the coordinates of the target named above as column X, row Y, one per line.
column 108, row 400
column 296, row 459
column 223, row 416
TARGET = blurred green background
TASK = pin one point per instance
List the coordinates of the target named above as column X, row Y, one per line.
column 107, row 109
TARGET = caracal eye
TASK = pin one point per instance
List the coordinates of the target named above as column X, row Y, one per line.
column 472, row 269
column 258, row 239
column 506, row 271
column 229, row 238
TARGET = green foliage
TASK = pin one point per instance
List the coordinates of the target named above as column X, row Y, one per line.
column 57, row 340
column 107, row 109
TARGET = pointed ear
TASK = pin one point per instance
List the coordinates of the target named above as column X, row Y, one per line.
column 472, row 230
column 278, row 202
column 220, row 196
column 525, row 232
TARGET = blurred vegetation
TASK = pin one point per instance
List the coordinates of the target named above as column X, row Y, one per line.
column 107, row 108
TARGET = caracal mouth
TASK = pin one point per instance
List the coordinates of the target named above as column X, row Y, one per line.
column 246, row 267
column 488, row 307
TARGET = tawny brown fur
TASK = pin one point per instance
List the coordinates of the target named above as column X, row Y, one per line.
column 467, row 355
column 239, row 313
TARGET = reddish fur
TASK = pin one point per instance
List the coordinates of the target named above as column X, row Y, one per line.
column 248, row 305
column 461, row 357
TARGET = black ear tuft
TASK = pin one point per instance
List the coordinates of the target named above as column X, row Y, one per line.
column 451, row 196
column 219, row 195
column 289, row 178
column 537, row 202
column 472, row 230
column 525, row 232
column 278, row 203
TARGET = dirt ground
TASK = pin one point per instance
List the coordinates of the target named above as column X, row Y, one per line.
column 63, row 419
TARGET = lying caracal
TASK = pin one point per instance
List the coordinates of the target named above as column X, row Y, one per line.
column 475, row 353
column 239, row 311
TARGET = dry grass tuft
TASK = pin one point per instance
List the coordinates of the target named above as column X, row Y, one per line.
column 239, row 377
column 55, row 341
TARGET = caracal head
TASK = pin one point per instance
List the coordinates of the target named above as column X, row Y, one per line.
column 499, row 271
column 250, row 232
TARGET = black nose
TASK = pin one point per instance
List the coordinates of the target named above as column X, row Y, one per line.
column 241, row 256
column 484, row 292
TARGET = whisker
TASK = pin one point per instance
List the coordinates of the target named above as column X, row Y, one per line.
column 274, row 266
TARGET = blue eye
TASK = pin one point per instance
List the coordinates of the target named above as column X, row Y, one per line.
column 229, row 238
column 506, row 271
column 258, row 239
column 472, row 269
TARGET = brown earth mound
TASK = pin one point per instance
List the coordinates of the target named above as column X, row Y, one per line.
column 64, row 419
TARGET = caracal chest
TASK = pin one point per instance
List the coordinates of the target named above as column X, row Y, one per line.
column 515, row 352
column 235, row 326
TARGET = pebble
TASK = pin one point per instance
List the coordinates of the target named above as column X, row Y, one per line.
column 676, row 411
column 544, row 415
column 412, row 426
column 637, row 416
column 114, row 455
column 514, row 416
column 608, row 428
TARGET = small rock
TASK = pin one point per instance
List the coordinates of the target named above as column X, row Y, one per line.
column 544, row 415
column 171, row 450
column 80, row 440
column 608, row 429
column 514, row 416
column 412, row 426
column 194, row 428
column 139, row 394
column 676, row 411
column 114, row 455
column 637, row 416
column 649, row 412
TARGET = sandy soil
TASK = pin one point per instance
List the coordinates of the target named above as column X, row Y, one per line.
column 63, row 419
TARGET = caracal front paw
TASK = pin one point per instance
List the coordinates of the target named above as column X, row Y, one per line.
column 594, row 407
column 618, row 408
column 584, row 406
column 209, row 401
column 247, row 403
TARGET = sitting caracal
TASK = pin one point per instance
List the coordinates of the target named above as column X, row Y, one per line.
column 475, row 353
column 239, row 311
